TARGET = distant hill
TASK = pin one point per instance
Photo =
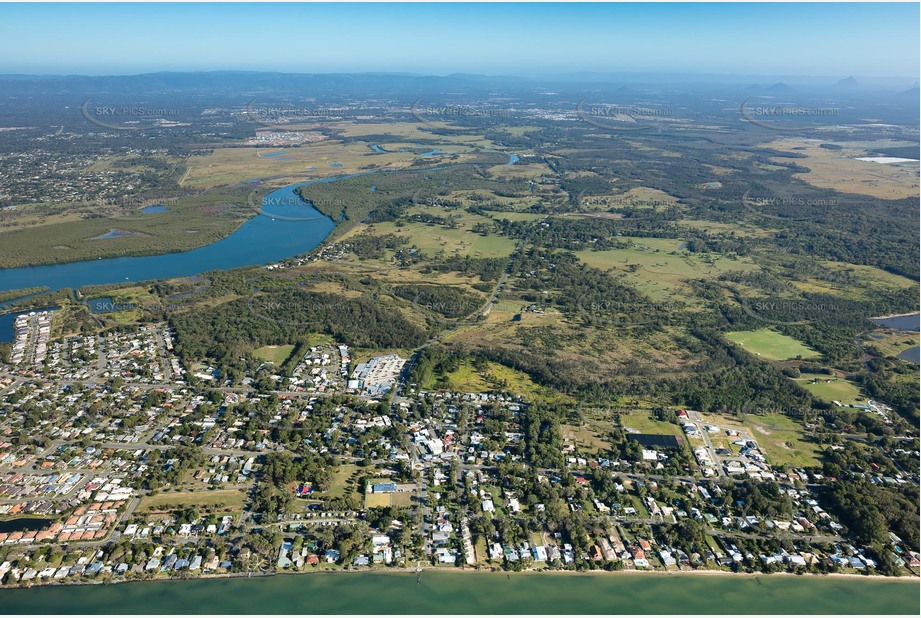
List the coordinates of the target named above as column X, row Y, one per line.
column 848, row 82
column 780, row 87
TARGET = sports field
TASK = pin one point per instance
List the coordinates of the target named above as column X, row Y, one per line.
column 277, row 354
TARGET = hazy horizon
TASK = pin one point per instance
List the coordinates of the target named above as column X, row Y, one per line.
column 831, row 40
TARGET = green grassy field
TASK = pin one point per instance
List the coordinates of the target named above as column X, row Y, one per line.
column 432, row 239
column 277, row 354
column 586, row 438
column 643, row 422
column 228, row 500
column 467, row 380
column 519, row 382
column 658, row 268
column 377, row 500
column 224, row 166
column 464, row 380
column 830, row 388
column 338, row 487
column 782, row 440
column 137, row 299
column 771, row 345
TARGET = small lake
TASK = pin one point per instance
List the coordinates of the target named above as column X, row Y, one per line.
column 912, row 355
column 105, row 304
column 154, row 209
column 24, row 524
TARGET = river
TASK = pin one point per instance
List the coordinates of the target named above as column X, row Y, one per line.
column 291, row 226
column 901, row 322
column 259, row 240
column 480, row 593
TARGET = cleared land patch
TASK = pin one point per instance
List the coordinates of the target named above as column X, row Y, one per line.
column 276, row 354
column 771, row 345
column 229, row 500
column 840, row 170
column 661, row 269
column 783, row 441
column 830, row 388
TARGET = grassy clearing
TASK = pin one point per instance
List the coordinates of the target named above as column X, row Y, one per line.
column 839, row 169
column 339, row 486
column 643, row 422
column 738, row 228
column 377, row 500
column 637, row 198
column 135, row 299
column 585, row 438
column 224, row 166
column 463, row 198
column 413, row 132
column 771, row 345
column 891, row 342
column 529, row 171
column 519, row 131
column 228, row 500
column 782, row 440
column 517, row 216
column 660, row 269
column 830, row 388
column 868, row 282
column 519, row 382
column 591, row 352
column 432, row 239
column 276, row 354
column 325, row 158
column 482, row 554
column 401, row 499
column 496, row 377
column 465, row 379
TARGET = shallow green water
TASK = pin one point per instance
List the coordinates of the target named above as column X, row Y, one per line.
column 532, row 593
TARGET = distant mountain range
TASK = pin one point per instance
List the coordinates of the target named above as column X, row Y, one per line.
column 303, row 85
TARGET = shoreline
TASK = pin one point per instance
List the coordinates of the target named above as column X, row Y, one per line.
column 422, row 571
column 895, row 315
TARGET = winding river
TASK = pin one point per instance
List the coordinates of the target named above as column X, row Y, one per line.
column 289, row 226
column 261, row 240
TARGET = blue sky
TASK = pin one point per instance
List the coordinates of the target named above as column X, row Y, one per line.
column 869, row 39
